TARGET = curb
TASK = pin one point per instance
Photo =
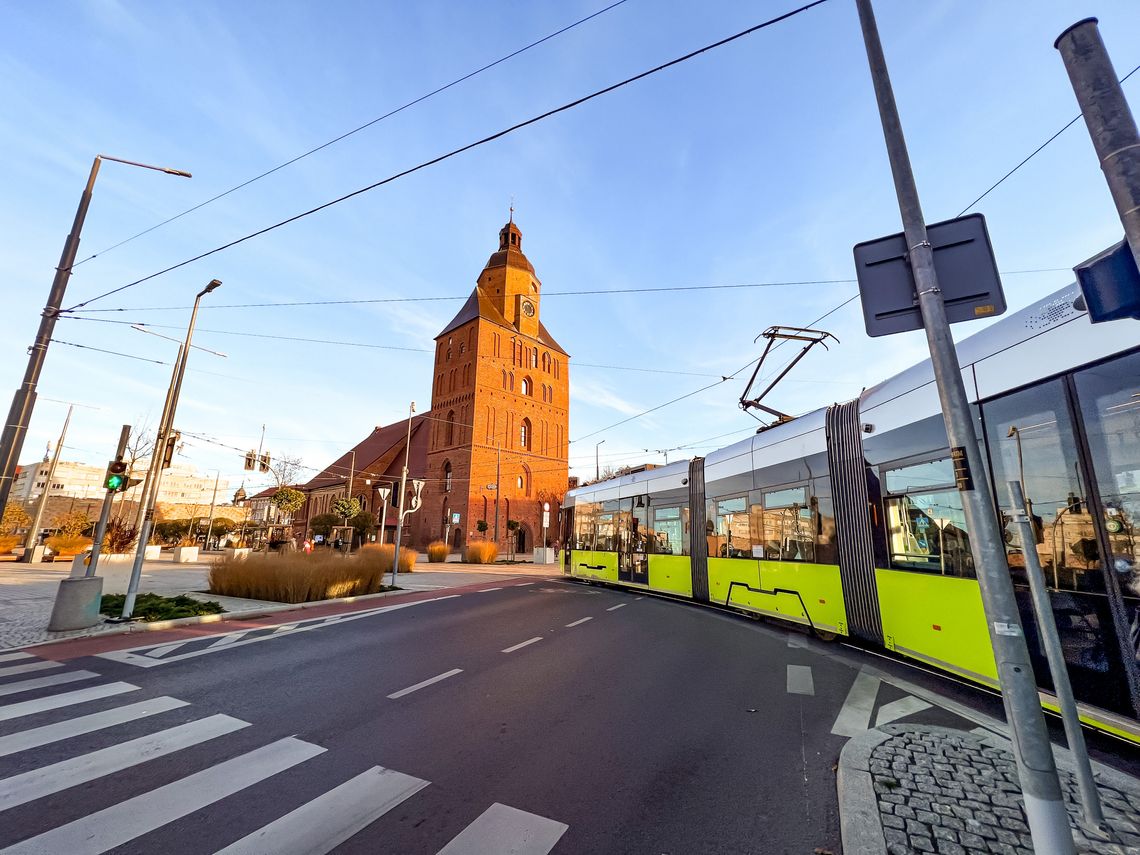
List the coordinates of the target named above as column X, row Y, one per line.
column 860, row 828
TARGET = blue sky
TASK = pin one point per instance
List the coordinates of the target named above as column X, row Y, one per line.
column 761, row 161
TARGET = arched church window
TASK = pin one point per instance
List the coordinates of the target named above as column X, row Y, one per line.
column 447, row 476
column 526, row 386
column 450, row 427
column 524, row 434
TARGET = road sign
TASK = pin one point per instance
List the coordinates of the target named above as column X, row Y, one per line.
column 546, row 519
column 966, row 269
column 455, row 519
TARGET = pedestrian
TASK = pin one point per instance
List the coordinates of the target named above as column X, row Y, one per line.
column 308, row 547
column 557, row 545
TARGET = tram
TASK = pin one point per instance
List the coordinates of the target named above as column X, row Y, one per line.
column 847, row 520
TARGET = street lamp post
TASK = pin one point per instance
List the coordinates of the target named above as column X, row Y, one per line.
column 403, row 494
column 597, row 466
column 165, row 431
column 213, row 502
column 23, row 402
column 31, row 553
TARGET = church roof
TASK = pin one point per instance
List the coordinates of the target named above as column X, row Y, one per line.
column 368, row 450
column 479, row 305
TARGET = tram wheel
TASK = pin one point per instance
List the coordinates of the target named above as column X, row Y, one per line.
column 824, row 635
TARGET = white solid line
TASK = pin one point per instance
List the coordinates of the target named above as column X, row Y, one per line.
column 37, row 783
column 44, row 682
column 522, row 584
column 486, row 590
column 638, row 598
column 855, row 716
column 68, row 728
column 615, row 608
column 426, row 683
column 11, row 657
column 79, row 696
column 579, row 621
column 118, row 824
column 503, row 829
column 28, row 667
column 523, row 644
column 161, row 651
column 800, row 681
column 900, row 709
column 319, row 826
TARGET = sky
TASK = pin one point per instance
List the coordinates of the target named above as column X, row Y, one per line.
column 758, row 162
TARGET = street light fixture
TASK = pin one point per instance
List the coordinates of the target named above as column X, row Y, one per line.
column 24, row 401
column 165, row 430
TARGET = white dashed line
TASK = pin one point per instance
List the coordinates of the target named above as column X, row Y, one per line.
column 523, row 644
column 579, row 621
column 487, row 590
column 618, row 606
column 426, row 683
column 800, row 681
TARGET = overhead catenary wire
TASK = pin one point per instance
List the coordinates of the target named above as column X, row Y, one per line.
column 457, row 151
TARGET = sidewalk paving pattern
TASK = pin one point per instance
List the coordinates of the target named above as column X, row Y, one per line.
column 907, row 788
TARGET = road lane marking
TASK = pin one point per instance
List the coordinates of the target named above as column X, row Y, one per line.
column 12, row 657
column 800, row 680
column 159, row 652
column 121, row 823
column 52, row 702
column 28, row 667
column 44, row 682
column 37, row 783
column 487, row 590
column 900, row 709
column 579, row 621
column 523, row 644
column 426, row 683
column 615, row 608
column 796, row 640
column 227, row 640
column 635, row 599
column 855, row 716
column 522, row 584
column 319, row 826
column 70, row 727
column 138, row 655
column 503, row 829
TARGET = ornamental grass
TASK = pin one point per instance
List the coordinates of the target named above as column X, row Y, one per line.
column 384, row 552
column 480, row 552
column 437, row 552
column 65, row 544
column 299, row 578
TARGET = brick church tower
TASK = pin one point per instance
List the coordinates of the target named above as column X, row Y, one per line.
column 500, row 410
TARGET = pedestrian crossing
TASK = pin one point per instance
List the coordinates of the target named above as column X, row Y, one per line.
column 93, row 737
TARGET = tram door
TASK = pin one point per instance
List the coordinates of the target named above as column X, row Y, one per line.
column 633, row 540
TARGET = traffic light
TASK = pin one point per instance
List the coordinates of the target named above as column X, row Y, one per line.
column 1110, row 284
column 250, row 458
column 116, row 478
column 168, row 452
column 263, row 463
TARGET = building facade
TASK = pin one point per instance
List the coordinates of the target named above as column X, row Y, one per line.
column 181, row 484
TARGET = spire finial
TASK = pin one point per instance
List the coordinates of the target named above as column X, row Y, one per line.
column 512, row 209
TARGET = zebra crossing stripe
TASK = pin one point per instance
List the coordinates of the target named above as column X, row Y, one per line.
column 37, row 783
column 123, row 822
column 44, row 682
column 66, row 699
column 503, row 829
column 28, row 667
column 68, row 728
column 319, row 826
column 12, row 657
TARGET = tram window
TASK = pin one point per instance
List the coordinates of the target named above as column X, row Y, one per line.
column 783, row 526
column 826, row 544
column 1110, row 404
column 1031, row 439
column 585, row 525
column 607, row 528
column 926, row 524
column 669, row 531
column 728, row 528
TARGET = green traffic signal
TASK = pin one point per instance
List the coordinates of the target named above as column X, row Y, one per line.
column 116, row 477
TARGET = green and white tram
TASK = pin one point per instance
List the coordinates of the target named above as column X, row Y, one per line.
column 847, row 521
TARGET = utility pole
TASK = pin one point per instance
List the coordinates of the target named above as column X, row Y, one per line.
column 403, row 495
column 213, row 502
column 498, row 485
column 348, row 495
column 1037, row 772
column 101, row 528
column 32, row 549
column 597, row 465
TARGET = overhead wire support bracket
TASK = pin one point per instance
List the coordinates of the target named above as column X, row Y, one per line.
column 810, row 337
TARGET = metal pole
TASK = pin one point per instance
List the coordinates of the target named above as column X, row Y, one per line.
column 348, row 495
column 157, row 452
column 498, row 486
column 403, row 494
column 1047, row 624
column 165, row 431
column 1109, row 120
column 597, row 459
column 213, row 501
column 37, row 519
column 1037, row 772
column 101, row 528
column 384, row 493
column 24, row 401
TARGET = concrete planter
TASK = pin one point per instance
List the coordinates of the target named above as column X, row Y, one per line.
column 185, row 554
column 106, row 559
column 153, row 553
column 240, row 553
column 543, row 556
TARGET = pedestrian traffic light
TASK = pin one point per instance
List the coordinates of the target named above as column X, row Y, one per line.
column 168, row 452
column 116, row 478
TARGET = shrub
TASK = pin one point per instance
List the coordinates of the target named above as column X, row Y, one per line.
column 438, row 551
column 65, row 544
column 8, row 542
column 383, row 555
column 481, row 552
column 119, row 537
column 295, row 577
column 152, row 607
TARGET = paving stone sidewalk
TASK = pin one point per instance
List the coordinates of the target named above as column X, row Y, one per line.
column 915, row 789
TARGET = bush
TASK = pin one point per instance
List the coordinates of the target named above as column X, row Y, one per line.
column 66, row 544
column 295, row 577
column 481, row 552
column 119, row 537
column 8, row 542
column 383, row 554
column 151, row 607
column 438, row 551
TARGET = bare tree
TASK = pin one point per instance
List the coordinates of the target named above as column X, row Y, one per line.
column 286, row 470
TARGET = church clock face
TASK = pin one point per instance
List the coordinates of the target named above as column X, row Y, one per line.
column 528, row 308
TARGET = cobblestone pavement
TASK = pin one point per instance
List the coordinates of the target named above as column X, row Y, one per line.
column 952, row 792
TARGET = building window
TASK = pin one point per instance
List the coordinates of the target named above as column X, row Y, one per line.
column 526, row 386
column 511, row 379
column 447, row 477
column 504, row 378
column 546, row 362
column 519, row 482
column 450, row 428
column 925, row 519
column 524, row 435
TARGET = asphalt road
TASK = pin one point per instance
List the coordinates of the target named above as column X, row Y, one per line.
column 562, row 718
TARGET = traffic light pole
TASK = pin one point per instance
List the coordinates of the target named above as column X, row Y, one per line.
column 101, row 528
column 30, row 552
column 1037, row 771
